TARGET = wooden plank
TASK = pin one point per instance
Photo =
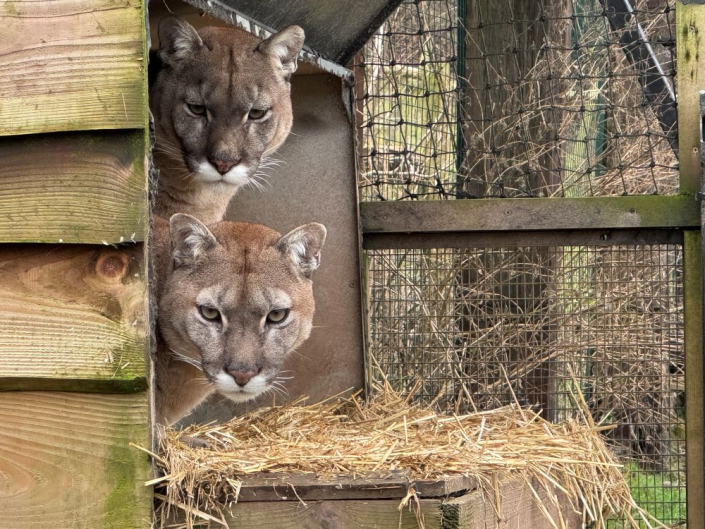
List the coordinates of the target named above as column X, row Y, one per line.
column 514, row 508
column 378, row 514
column 306, row 487
column 440, row 488
column 72, row 65
column 479, row 239
column 83, row 188
column 690, row 50
column 271, row 487
column 65, row 461
column 694, row 395
column 526, row 214
column 72, row 318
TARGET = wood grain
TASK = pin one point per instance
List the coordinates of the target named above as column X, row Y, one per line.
column 72, row 318
column 530, row 214
column 72, row 65
column 694, row 394
column 82, row 188
column 690, row 49
column 514, row 508
column 274, row 487
column 65, row 462
column 287, row 487
column 378, row 514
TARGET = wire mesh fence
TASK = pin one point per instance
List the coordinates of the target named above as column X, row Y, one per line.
column 508, row 98
column 480, row 327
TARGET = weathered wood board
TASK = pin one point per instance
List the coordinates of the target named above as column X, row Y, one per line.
column 306, row 487
column 514, row 508
column 377, row 514
column 72, row 318
column 376, row 503
column 518, row 214
column 66, row 463
column 83, row 188
column 690, row 50
column 72, row 65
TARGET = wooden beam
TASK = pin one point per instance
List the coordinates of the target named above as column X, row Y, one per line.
column 72, row 318
column 694, row 395
column 72, row 65
column 514, row 506
column 380, row 514
column 531, row 214
column 484, row 239
column 690, row 49
column 65, row 461
column 74, row 188
column 306, row 487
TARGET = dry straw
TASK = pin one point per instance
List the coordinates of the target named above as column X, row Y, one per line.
column 349, row 436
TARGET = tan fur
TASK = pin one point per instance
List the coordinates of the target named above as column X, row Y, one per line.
column 229, row 74
column 245, row 270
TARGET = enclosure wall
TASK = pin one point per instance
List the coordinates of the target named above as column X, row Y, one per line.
column 576, row 270
column 74, row 222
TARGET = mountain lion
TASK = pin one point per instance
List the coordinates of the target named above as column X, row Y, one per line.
column 221, row 104
column 234, row 300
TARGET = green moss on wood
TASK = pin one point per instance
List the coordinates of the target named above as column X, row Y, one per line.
column 129, row 503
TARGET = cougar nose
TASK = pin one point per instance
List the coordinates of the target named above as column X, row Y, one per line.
column 223, row 166
column 242, row 374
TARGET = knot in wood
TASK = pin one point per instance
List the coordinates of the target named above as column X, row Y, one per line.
column 112, row 265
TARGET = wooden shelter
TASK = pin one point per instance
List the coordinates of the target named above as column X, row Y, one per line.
column 74, row 192
column 74, row 319
column 75, row 327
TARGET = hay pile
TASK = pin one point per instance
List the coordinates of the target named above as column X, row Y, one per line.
column 349, row 436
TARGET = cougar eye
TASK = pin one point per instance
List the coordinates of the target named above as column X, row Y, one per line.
column 277, row 316
column 198, row 110
column 209, row 313
column 257, row 113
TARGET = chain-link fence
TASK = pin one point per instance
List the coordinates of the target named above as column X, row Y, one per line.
column 508, row 98
column 548, row 98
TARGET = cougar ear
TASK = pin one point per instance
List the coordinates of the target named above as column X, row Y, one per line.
column 190, row 239
column 303, row 246
column 177, row 40
column 284, row 47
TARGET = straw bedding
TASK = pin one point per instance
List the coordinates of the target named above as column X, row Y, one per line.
column 349, row 436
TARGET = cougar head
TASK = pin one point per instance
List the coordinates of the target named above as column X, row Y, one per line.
column 237, row 299
column 221, row 100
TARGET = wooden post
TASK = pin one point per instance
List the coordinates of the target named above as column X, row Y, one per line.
column 74, row 221
column 693, row 378
column 690, row 20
